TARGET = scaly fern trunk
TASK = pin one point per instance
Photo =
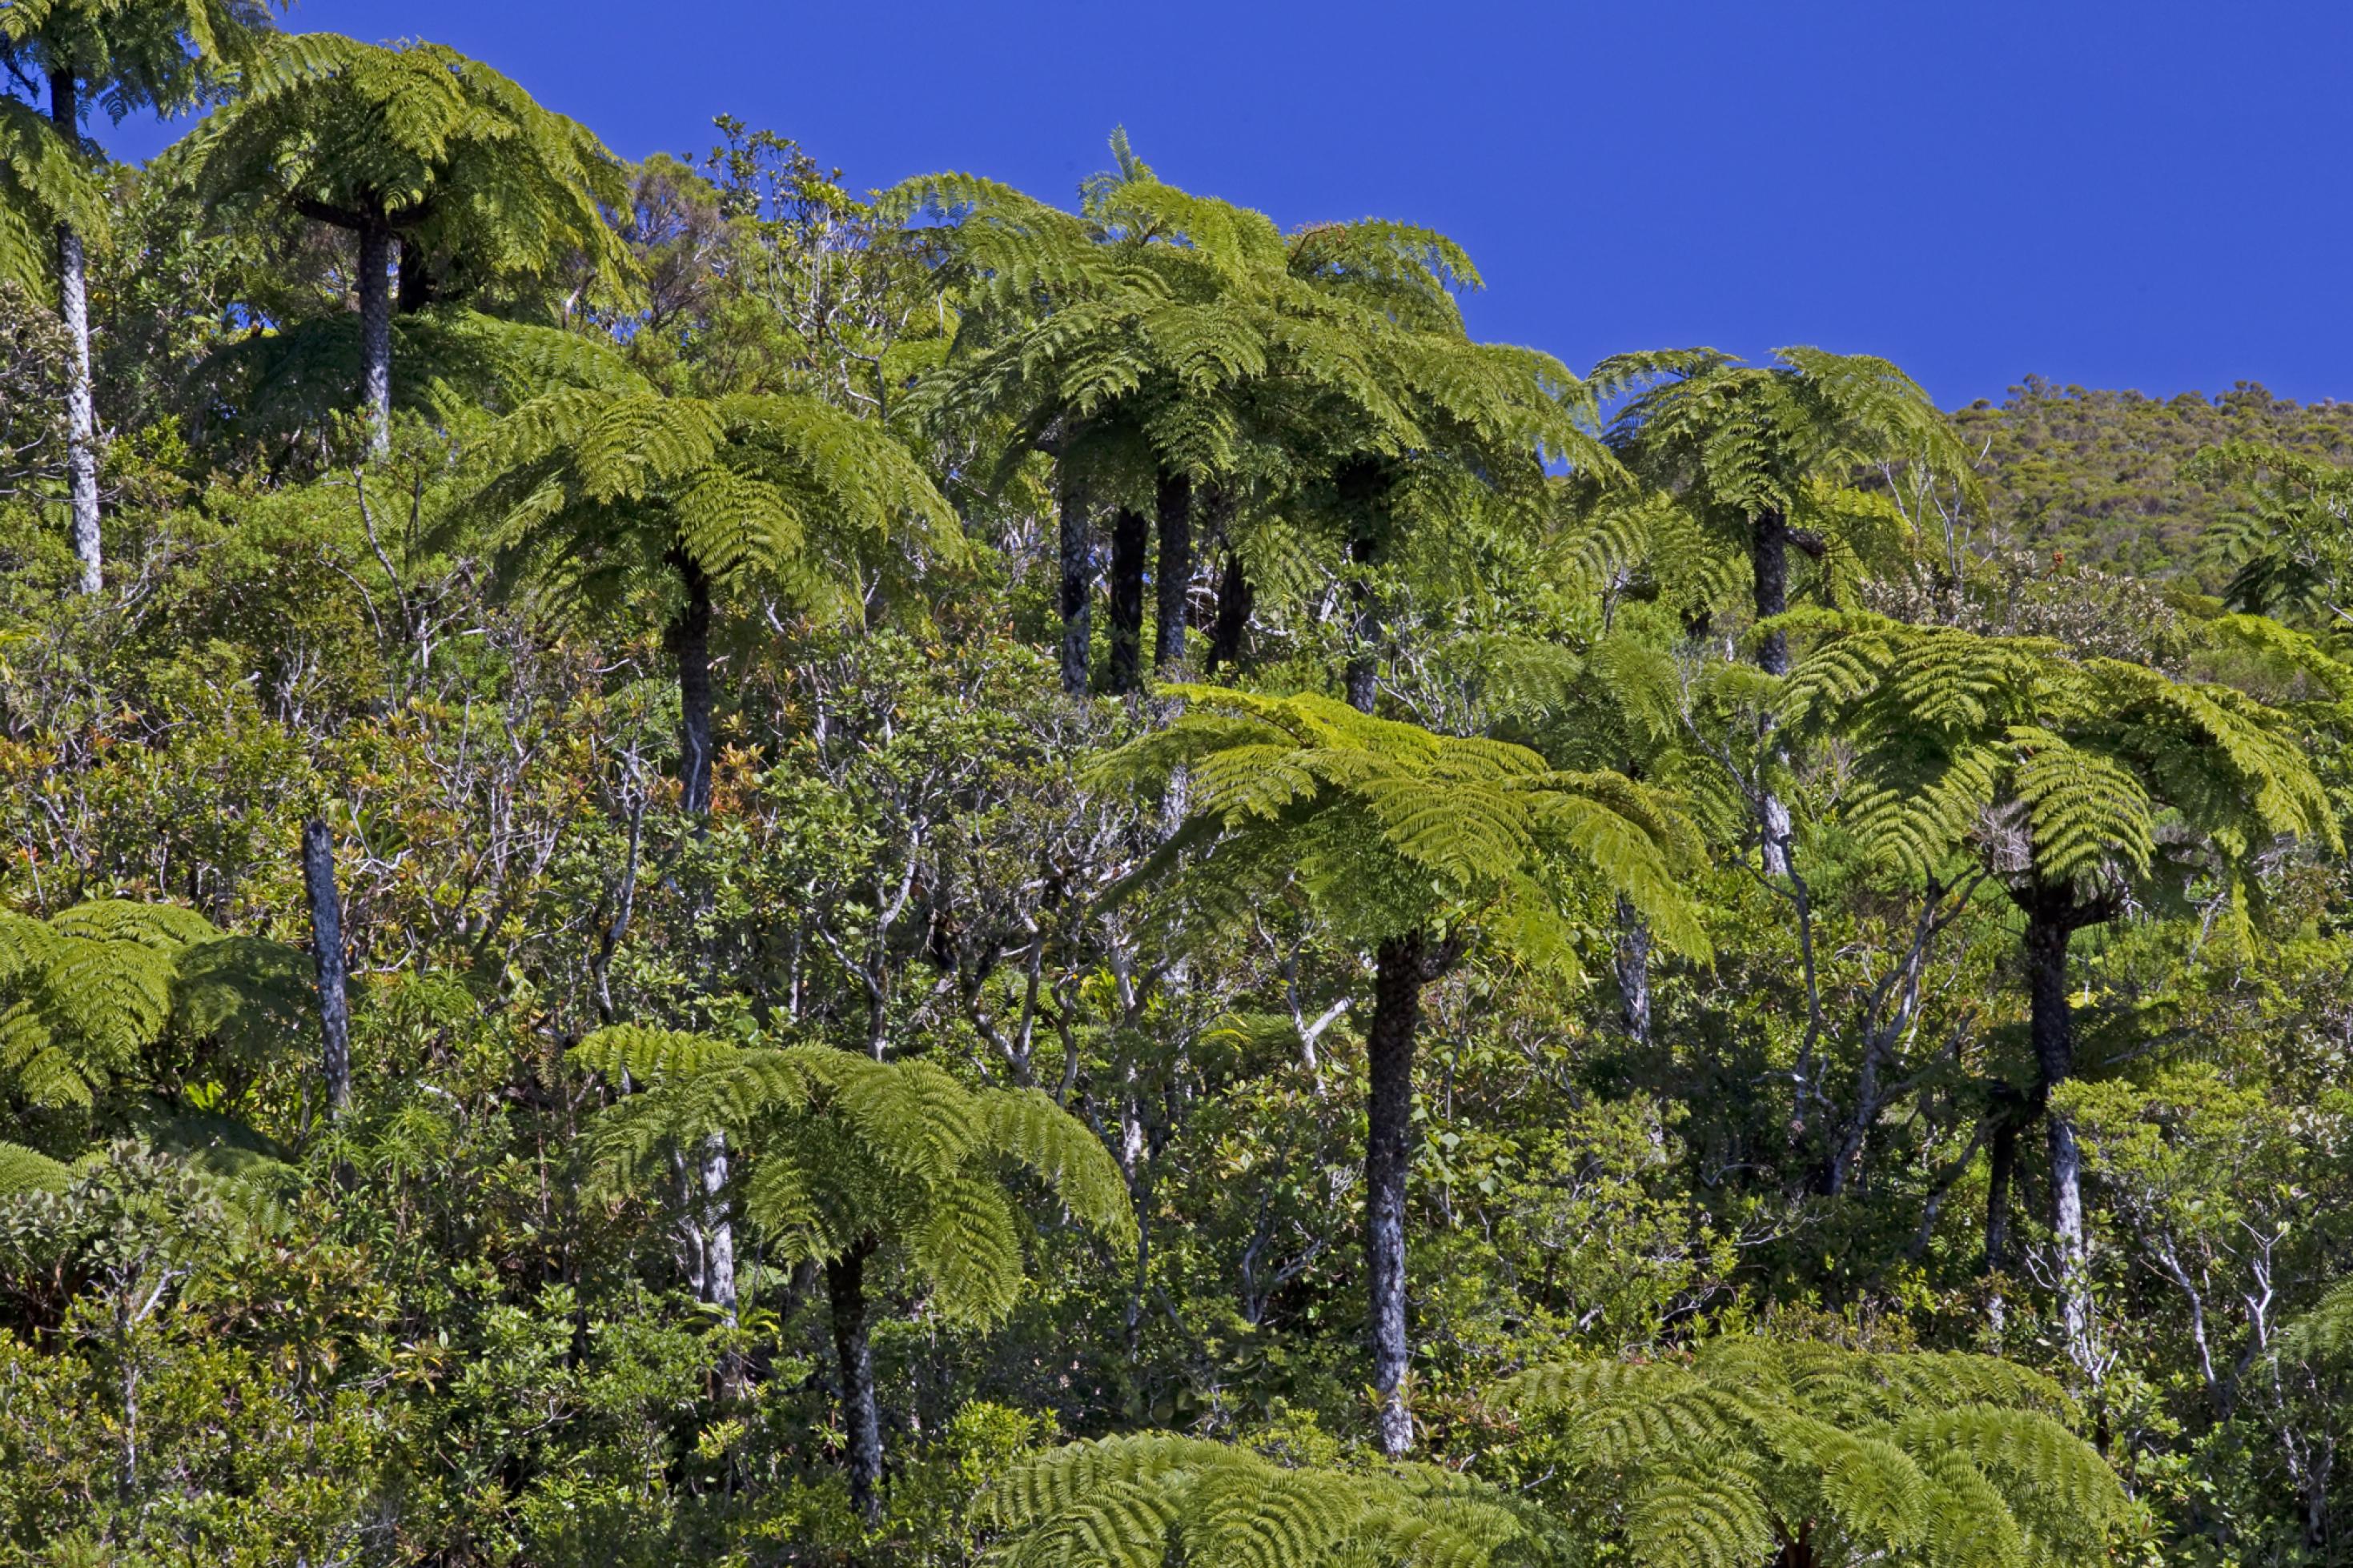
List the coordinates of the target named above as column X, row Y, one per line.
column 376, row 335
column 1769, row 555
column 1403, row 965
column 73, row 309
column 1363, row 672
column 690, row 644
column 1633, row 964
column 1130, row 533
column 2053, row 915
column 1234, row 600
column 327, row 951
column 1173, row 504
column 1076, row 552
column 845, row 1289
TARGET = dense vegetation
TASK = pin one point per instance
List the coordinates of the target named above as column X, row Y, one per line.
column 694, row 869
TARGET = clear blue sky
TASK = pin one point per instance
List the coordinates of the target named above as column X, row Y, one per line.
column 2152, row 195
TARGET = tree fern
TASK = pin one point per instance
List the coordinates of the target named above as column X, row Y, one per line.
column 850, row 1156
column 1154, row 1499
column 415, row 143
column 1747, row 1448
column 1406, row 841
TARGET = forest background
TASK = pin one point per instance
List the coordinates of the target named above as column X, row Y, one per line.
column 700, row 868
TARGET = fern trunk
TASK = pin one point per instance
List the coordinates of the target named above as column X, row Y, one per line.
column 73, row 309
column 845, row 1287
column 327, row 951
column 2001, row 1170
column 1769, row 555
column 376, row 334
column 1633, row 964
column 2054, row 916
column 1076, row 552
column 690, row 642
column 1363, row 678
column 1173, row 582
column 1403, row 965
column 1234, row 600
column 1130, row 533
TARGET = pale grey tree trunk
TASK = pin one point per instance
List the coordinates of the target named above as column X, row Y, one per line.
column 327, row 952
column 73, row 309
column 1771, row 557
column 376, row 335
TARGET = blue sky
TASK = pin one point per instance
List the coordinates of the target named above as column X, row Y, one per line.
column 2157, row 196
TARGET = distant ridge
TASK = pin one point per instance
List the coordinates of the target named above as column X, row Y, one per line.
column 2097, row 474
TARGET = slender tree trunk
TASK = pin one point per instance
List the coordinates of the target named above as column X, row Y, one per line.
column 1173, row 583
column 1130, row 532
column 376, row 335
column 1235, row 596
column 1363, row 672
column 2052, row 917
column 1403, row 965
column 845, row 1286
column 327, row 951
column 718, row 1248
column 73, row 309
column 1771, row 557
column 2002, row 1169
column 1633, row 972
column 690, row 642
column 1077, row 604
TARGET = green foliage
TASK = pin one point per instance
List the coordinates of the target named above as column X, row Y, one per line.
column 2063, row 769
column 1748, row 1444
column 596, row 488
column 94, row 990
column 1155, row 1498
column 849, row 1151
column 1392, row 829
column 124, row 54
column 2111, row 479
column 419, row 140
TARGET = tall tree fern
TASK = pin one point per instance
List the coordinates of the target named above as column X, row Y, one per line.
column 2085, row 785
column 596, row 490
column 855, row 1160
column 124, row 54
column 1165, row 347
column 416, row 143
column 1409, row 843
column 1765, row 459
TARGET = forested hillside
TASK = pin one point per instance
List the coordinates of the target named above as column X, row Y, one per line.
column 698, row 868
column 2099, row 477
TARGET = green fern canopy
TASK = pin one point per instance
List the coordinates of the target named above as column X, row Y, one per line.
column 421, row 141
column 1155, row 1498
column 1747, row 1445
column 845, row 1151
column 1392, row 829
column 90, row 995
column 2064, row 769
column 591, row 485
